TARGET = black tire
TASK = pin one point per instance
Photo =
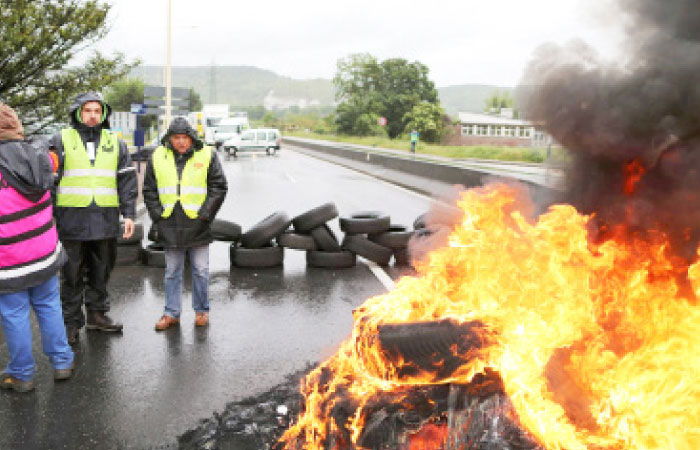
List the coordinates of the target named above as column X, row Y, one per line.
column 256, row 257
column 128, row 255
column 270, row 151
column 330, row 260
column 315, row 217
column 263, row 232
column 135, row 238
column 392, row 239
column 224, row 230
column 368, row 249
column 153, row 255
column 396, row 228
column 402, row 257
column 296, row 241
column 234, row 152
column 365, row 223
column 420, row 222
column 325, row 239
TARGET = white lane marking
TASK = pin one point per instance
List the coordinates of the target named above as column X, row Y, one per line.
column 289, row 177
column 381, row 275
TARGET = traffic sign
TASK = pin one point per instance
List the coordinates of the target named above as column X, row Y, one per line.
column 381, row 121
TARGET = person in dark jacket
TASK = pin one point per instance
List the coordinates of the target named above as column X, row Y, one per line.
column 96, row 181
column 184, row 187
column 30, row 257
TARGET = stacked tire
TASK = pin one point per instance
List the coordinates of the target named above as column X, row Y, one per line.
column 129, row 250
column 312, row 233
column 371, row 235
column 258, row 247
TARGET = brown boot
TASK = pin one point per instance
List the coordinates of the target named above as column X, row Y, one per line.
column 98, row 320
column 201, row 319
column 166, row 322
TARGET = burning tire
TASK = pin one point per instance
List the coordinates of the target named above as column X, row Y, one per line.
column 325, row 239
column 296, row 241
column 135, row 238
column 224, row 230
column 330, row 260
column 369, row 222
column 153, row 255
column 256, row 257
column 264, row 231
column 368, row 249
column 316, row 217
column 402, row 257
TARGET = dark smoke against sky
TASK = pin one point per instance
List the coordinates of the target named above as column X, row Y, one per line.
column 644, row 108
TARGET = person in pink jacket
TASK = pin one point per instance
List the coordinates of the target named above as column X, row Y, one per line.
column 30, row 257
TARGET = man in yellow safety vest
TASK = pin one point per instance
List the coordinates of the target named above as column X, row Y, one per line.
column 95, row 182
column 184, row 187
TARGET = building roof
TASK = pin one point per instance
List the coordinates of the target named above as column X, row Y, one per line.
column 488, row 119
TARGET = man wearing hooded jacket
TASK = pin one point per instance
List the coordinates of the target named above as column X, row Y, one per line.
column 183, row 188
column 95, row 182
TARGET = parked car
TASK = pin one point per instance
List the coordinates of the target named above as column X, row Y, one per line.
column 268, row 139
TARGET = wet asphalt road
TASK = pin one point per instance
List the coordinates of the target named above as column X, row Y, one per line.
column 142, row 389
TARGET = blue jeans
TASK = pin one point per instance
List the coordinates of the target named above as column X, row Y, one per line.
column 14, row 311
column 174, row 265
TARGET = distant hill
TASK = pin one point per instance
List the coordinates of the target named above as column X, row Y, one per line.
column 243, row 85
column 251, row 86
column 467, row 97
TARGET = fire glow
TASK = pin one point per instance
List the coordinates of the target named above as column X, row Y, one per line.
column 596, row 347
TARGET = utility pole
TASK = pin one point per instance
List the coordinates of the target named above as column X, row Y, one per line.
column 168, row 71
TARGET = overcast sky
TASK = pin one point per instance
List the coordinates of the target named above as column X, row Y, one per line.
column 461, row 41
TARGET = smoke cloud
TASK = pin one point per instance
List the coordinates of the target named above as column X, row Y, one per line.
column 632, row 126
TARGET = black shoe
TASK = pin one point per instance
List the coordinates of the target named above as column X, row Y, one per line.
column 10, row 382
column 98, row 320
column 73, row 334
column 64, row 374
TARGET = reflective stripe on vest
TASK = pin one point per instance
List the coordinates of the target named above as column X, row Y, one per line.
column 84, row 181
column 190, row 190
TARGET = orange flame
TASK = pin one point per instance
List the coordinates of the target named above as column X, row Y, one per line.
column 633, row 171
column 596, row 347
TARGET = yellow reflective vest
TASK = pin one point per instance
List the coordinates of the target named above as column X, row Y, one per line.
column 190, row 190
column 84, row 181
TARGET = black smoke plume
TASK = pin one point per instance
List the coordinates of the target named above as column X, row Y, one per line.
column 635, row 117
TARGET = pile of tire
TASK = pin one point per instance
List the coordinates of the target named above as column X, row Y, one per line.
column 153, row 254
column 371, row 235
column 129, row 250
column 257, row 247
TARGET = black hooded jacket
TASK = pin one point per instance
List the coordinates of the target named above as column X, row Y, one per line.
column 95, row 222
column 178, row 230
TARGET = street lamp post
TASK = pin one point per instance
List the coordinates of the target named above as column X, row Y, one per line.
column 168, row 71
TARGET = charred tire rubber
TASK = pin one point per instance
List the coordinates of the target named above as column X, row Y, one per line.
column 263, row 232
column 368, row 249
column 256, row 257
column 224, row 230
column 330, row 260
column 128, row 254
column 135, row 238
column 296, row 241
column 365, row 222
column 153, row 255
column 392, row 239
column 316, row 217
column 325, row 239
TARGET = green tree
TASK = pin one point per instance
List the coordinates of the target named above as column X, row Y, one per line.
column 366, row 88
column 195, row 100
column 499, row 100
column 121, row 94
column 428, row 120
column 38, row 40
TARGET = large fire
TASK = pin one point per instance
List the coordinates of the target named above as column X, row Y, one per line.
column 595, row 343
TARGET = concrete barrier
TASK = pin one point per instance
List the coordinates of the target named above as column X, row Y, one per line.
column 423, row 174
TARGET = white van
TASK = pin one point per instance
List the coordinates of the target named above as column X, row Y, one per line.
column 268, row 139
column 229, row 128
